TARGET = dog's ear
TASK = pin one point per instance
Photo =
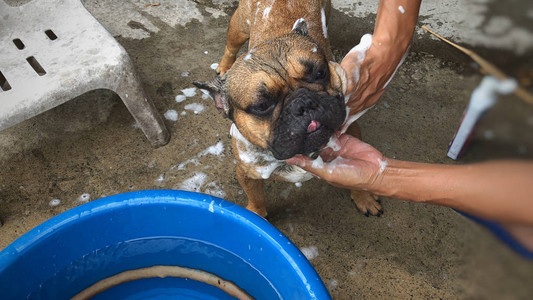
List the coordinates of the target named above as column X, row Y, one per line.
column 217, row 91
column 300, row 27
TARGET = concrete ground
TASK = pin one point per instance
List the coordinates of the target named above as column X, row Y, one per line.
column 89, row 147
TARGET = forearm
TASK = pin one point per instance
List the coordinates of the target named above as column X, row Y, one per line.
column 393, row 34
column 370, row 68
column 395, row 25
column 501, row 191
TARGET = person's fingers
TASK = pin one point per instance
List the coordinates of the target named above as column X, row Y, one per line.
column 296, row 160
column 318, row 168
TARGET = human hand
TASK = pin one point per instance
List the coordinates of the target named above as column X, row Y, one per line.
column 364, row 84
column 356, row 165
column 370, row 65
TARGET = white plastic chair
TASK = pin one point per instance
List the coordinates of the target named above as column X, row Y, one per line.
column 54, row 50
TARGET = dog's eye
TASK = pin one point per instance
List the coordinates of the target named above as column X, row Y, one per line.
column 320, row 74
column 316, row 72
column 263, row 109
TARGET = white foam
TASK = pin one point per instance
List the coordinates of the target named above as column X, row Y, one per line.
column 401, row 9
column 216, row 149
column 193, row 184
column 205, row 92
column 252, row 154
column 295, row 174
column 84, row 197
column 160, row 179
column 361, row 48
column 382, row 164
column 334, row 143
column 195, row 107
column 214, row 66
column 180, row 98
column 318, row 163
column 333, row 284
column 171, row 115
column 213, row 189
column 185, row 163
column 350, row 120
column 297, row 22
column 324, row 25
column 339, row 161
column 266, row 12
column 190, row 92
column 310, row 252
column 54, row 202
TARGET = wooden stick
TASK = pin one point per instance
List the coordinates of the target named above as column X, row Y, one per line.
column 487, row 67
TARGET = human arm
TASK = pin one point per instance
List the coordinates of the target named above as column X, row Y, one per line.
column 369, row 71
column 498, row 190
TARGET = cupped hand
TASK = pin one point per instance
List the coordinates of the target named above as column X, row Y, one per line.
column 356, row 165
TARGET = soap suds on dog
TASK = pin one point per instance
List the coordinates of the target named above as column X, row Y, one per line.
column 324, row 25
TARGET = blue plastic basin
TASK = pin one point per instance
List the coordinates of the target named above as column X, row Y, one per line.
column 68, row 253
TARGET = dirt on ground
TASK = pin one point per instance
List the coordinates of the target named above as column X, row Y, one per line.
column 90, row 145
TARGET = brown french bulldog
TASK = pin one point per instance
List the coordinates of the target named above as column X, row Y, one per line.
column 284, row 96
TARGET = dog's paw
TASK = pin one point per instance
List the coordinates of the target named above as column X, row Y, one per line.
column 222, row 69
column 367, row 203
column 260, row 211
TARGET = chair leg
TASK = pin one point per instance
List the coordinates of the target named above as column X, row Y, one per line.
column 141, row 108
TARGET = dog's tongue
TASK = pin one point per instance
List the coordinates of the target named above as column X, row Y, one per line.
column 313, row 126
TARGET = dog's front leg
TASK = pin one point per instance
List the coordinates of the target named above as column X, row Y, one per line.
column 236, row 37
column 254, row 189
column 366, row 202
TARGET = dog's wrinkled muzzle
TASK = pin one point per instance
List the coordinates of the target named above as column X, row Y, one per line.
column 306, row 123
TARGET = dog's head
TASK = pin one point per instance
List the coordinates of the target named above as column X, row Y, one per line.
column 283, row 95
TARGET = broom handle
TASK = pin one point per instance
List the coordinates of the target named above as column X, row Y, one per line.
column 487, row 67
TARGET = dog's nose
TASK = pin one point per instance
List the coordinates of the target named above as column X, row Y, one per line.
column 302, row 103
